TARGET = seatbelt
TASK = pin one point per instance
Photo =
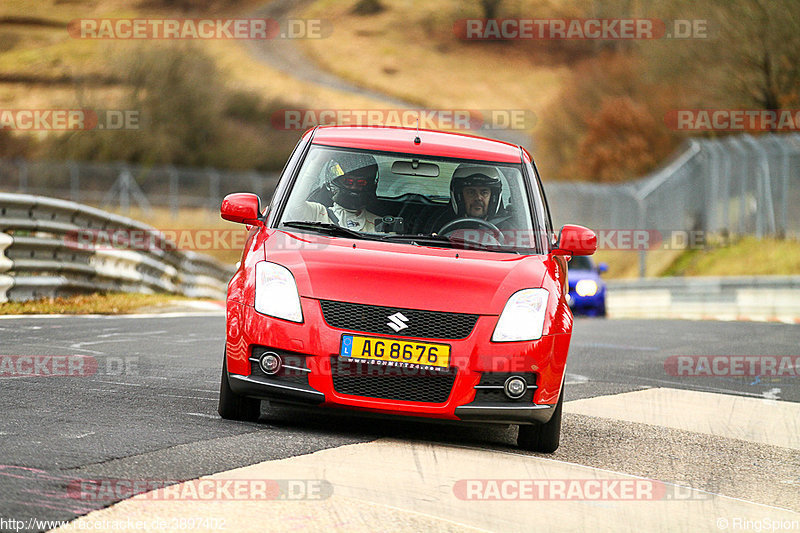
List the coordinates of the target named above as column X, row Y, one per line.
column 333, row 216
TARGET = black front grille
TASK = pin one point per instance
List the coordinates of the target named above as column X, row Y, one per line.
column 390, row 382
column 374, row 319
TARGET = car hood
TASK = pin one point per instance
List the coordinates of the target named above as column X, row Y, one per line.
column 403, row 275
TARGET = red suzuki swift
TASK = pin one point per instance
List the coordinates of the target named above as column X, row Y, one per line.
column 403, row 272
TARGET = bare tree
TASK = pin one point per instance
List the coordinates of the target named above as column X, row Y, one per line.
column 490, row 8
column 758, row 43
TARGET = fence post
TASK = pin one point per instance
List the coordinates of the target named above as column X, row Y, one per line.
column 733, row 142
column 713, row 221
column 22, row 175
column 651, row 185
column 726, row 196
column 765, row 211
column 173, row 192
column 784, row 215
column 74, row 182
column 642, row 222
column 213, row 190
column 125, row 190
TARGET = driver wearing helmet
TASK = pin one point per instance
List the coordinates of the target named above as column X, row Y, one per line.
column 475, row 192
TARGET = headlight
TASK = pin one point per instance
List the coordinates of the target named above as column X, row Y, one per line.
column 586, row 287
column 523, row 316
column 276, row 292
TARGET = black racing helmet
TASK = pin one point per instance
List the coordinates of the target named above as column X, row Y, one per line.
column 475, row 176
column 355, row 188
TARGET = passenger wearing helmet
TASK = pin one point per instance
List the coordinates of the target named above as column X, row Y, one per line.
column 351, row 192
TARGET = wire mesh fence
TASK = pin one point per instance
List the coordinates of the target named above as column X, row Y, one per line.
column 739, row 185
column 736, row 185
column 119, row 185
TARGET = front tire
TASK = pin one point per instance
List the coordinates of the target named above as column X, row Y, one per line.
column 543, row 438
column 233, row 406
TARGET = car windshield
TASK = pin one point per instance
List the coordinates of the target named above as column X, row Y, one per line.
column 407, row 198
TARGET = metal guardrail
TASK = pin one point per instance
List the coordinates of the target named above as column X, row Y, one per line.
column 727, row 298
column 38, row 259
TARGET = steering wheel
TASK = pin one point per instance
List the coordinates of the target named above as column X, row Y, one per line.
column 459, row 223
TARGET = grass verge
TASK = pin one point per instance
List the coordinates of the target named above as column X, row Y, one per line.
column 747, row 256
column 101, row 304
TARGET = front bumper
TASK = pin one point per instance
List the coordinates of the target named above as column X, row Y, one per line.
column 269, row 389
column 472, row 358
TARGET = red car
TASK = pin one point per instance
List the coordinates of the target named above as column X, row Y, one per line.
column 403, row 272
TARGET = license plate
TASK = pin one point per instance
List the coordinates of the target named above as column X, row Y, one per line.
column 395, row 351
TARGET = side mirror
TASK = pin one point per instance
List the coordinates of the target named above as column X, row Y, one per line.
column 575, row 240
column 602, row 267
column 241, row 207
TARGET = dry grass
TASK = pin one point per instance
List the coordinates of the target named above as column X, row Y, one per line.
column 746, row 257
column 104, row 304
column 625, row 264
column 410, row 51
column 245, row 72
column 196, row 230
column 49, row 52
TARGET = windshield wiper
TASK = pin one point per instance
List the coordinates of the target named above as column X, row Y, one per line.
column 449, row 242
column 419, row 239
column 327, row 228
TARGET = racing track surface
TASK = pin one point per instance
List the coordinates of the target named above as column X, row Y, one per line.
column 149, row 412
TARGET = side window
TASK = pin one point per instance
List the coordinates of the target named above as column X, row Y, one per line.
column 510, row 196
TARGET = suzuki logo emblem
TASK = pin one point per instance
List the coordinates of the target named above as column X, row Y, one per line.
column 397, row 322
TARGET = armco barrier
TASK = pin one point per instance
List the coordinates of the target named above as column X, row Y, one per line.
column 724, row 298
column 37, row 261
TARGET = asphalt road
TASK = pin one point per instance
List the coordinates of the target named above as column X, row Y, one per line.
column 149, row 409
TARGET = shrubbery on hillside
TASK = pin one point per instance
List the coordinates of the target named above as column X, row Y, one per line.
column 187, row 117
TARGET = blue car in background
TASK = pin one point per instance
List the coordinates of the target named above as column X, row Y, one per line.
column 587, row 292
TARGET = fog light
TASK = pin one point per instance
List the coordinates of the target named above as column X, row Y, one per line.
column 270, row 363
column 515, row 387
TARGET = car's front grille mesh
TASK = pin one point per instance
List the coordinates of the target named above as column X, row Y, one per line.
column 391, row 383
column 418, row 323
